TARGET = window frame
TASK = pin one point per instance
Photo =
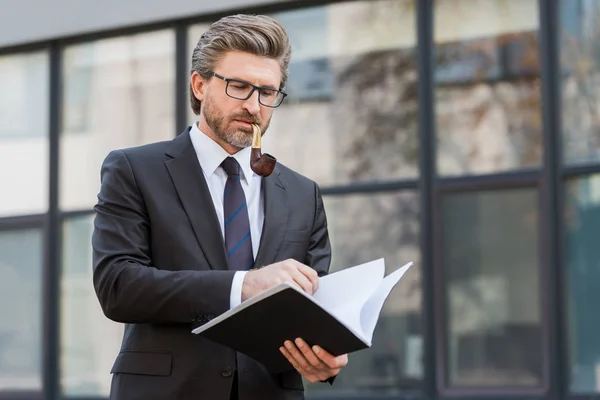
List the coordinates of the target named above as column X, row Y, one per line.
column 549, row 179
column 491, row 183
column 24, row 223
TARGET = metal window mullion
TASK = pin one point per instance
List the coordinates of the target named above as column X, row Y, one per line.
column 51, row 272
column 181, row 77
column 427, row 174
column 551, row 226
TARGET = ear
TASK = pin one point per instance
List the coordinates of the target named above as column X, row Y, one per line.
column 198, row 86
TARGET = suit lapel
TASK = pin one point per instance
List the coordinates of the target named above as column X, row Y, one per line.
column 275, row 223
column 194, row 194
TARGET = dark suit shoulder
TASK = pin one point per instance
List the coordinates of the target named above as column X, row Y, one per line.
column 158, row 152
column 143, row 156
column 295, row 179
column 150, row 150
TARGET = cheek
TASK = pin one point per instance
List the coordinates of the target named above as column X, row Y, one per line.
column 231, row 107
column 206, row 94
column 265, row 113
column 221, row 108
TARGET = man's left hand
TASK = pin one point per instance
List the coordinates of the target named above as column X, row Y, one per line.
column 314, row 364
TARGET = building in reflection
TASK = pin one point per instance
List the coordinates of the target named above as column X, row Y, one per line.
column 463, row 135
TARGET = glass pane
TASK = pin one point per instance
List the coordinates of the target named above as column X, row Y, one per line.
column 363, row 228
column 491, row 267
column 580, row 34
column 487, row 86
column 89, row 340
column 351, row 113
column 117, row 93
column 582, row 223
column 24, row 124
column 21, row 309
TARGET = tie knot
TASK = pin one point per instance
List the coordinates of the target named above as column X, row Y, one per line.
column 231, row 166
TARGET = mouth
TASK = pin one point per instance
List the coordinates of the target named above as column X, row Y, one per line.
column 245, row 122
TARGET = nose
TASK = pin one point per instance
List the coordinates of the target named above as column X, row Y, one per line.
column 251, row 104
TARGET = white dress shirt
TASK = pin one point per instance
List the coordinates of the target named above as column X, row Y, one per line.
column 211, row 155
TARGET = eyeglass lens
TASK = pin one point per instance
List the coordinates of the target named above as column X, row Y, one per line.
column 241, row 90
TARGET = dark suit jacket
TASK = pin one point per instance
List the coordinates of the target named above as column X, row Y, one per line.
column 160, row 267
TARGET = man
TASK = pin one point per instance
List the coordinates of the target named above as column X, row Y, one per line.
column 185, row 230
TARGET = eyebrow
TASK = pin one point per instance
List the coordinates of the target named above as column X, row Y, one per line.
column 245, row 81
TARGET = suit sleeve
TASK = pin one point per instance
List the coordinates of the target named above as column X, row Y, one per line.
column 319, row 249
column 130, row 289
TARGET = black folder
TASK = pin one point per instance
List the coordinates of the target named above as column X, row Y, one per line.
column 259, row 326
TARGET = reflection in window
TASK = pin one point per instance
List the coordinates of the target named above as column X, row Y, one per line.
column 351, row 113
column 492, row 289
column 118, row 93
column 24, row 133
column 580, row 36
column 488, row 91
column 89, row 341
column 582, row 222
column 20, row 310
column 363, row 228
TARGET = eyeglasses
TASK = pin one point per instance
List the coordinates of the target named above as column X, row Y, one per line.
column 242, row 90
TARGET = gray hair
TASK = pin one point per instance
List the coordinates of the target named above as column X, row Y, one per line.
column 255, row 34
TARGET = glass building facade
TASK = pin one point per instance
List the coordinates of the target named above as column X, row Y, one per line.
column 459, row 134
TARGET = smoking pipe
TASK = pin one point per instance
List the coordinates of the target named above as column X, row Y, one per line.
column 262, row 164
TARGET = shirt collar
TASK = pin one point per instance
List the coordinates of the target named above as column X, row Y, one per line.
column 211, row 154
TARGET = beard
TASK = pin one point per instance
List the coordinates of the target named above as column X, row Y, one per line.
column 237, row 136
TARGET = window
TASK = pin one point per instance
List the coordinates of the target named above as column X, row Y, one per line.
column 491, row 286
column 21, row 309
column 487, row 86
column 580, row 87
column 24, row 133
column 582, row 272
column 351, row 113
column 118, row 93
column 364, row 227
column 89, row 341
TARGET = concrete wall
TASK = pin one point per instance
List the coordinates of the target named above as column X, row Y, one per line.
column 25, row 21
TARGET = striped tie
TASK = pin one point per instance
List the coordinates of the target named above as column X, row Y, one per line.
column 237, row 227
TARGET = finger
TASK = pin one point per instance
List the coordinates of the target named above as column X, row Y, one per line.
column 310, row 274
column 307, row 271
column 310, row 355
column 311, row 377
column 299, row 358
column 330, row 360
column 302, row 281
column 289, row 357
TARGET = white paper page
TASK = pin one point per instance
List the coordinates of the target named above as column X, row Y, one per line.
column 372, row 308
column 345, row 291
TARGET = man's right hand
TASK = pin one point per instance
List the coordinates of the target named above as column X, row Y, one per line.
column 289, row 270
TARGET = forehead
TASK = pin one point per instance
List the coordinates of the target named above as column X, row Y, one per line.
column 259, row 70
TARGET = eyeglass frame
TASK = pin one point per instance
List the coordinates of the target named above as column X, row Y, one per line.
column 254, row 88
